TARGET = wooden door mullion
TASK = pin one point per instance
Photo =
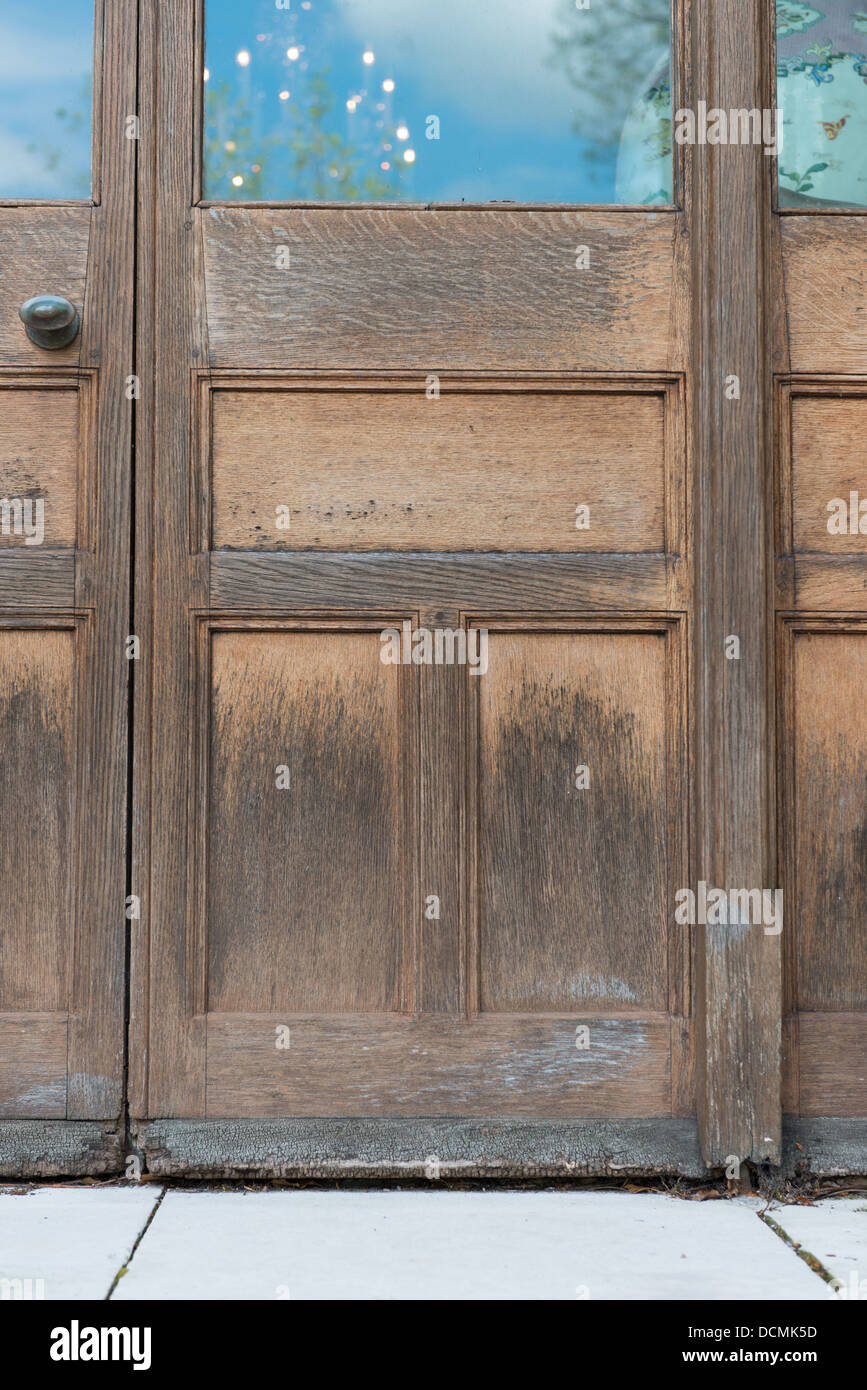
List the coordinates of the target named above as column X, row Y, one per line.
column 739, row 973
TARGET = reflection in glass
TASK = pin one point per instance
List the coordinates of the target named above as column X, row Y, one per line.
column 477, row 100
column 822, row 95
column 46, row 78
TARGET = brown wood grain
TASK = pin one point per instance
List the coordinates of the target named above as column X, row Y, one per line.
column 33, row 1065
column 822, row 583
column 44, row 250
column 462, row 472
column 503, row 1065
column 37, row 792
column 833, row 1063
column 496, row 582
column 96, row 1021
column 305, row 902
column 738, row 975
column 829, row 461
column 39, row 458
column 441, row 771
column 574, row 906
column 169, row 1065
column 830, row 817
column 254, row 907
column 826, row 293
column 33, row 578
column 432, row 290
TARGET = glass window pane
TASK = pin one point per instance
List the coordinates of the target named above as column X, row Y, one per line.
column 46, row 81
column 478, row 100
column 822, row 95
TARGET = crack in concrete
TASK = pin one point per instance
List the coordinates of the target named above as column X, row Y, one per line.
column 136, row 1243
column 809, row 1259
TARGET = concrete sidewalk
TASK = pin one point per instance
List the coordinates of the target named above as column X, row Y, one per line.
column 148, row 1242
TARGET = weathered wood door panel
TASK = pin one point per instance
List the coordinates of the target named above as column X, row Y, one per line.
column 65, row 480
column 822, row 624
column 432, row 898
column 446, row 517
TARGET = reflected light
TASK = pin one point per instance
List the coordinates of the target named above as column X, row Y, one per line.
column 242, row 58
column 284, row 95
column 237, row 180
column 367, row 56
column 292, row 53
column 402, row 132
column 388, row 85
column 409, row 156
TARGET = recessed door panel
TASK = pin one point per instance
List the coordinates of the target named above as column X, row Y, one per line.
column 574, row 907
column 307, row 841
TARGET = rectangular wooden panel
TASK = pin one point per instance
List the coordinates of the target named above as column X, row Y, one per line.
column 818, row 583
column 396, row 470
column 514, row 582
column 825, row 272
column 496, row 1066
column 574, row 904
column 36, row 578
column 833, row 1063
column 437, row 289
column 306, row 881
column 830, row 820
column 33, row 1065
column 829, row 474
column 42, row 250
column 39, row 465
column 37, row 761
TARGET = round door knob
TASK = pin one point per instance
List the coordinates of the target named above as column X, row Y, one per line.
column 50, row 320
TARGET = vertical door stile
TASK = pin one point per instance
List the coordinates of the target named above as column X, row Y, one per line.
column 172, row 345
column 738, row 971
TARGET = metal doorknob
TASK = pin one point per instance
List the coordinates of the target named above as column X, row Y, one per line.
column 50, row 320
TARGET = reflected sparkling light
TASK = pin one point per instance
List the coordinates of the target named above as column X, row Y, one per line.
column 388, row 85
column 402, row 132
column 284, row 95
column 368, row 56
column 237, row 180
column 242, row 58
column 293, row 53
column 409, row 156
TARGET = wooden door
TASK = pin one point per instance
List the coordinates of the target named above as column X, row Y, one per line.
column 415, row 915
column 819, row 341
column 66, row 230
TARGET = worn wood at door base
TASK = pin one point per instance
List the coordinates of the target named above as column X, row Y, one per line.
column 429, row 1148
column 59, row 1148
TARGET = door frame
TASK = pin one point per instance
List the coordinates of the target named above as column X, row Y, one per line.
column 738, row 980
column 87, row 591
